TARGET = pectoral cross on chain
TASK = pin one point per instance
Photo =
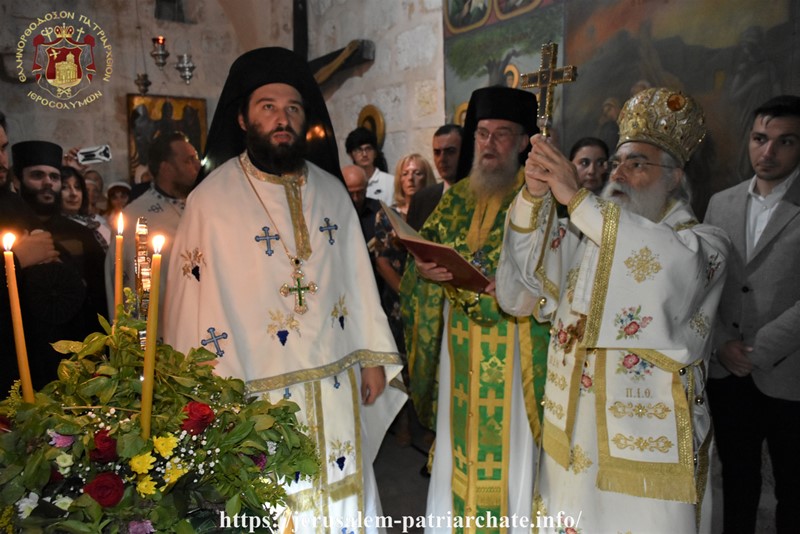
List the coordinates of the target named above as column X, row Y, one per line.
column 545, row 79
column 298, row 288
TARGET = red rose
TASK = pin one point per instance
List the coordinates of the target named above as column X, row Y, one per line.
column 563, row 337
column 105, row 448
column 55, row 476
column 586, row 381
column 556, row 243
column 106, row 489
column 198, row 417
column 630, row 360
column 632, row 328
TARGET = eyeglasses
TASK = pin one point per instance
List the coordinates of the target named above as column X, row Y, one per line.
column 633, row 166
column 363, row 149
column 501, row 135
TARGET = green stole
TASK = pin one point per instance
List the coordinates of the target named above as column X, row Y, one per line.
column 481, row 342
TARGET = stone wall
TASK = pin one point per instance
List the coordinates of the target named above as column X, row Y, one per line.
column 406, row 80
column 104, row 121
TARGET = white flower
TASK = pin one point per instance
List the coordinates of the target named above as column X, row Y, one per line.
column 64, row 462
column 63, row 502
column 26, row 505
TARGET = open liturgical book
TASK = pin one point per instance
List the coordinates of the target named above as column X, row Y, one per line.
column 465, row 275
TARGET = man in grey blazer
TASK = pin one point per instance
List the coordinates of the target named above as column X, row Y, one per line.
column 754, row 384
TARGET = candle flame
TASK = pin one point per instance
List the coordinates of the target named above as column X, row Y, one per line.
column 120, row 225
column 158, row 242
column 8, row 241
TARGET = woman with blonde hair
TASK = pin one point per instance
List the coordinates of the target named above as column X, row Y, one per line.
column 413, row 172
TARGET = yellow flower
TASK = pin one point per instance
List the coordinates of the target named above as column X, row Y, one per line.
column 165, row 445
column 142, row 463
column 146, row 486
column 173, row 473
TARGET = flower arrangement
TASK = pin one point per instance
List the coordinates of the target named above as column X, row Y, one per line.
column 75, row 460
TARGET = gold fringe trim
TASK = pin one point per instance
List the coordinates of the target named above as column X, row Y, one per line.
column 649, row 483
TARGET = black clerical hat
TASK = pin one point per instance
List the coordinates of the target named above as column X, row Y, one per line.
column 31, row 153
column 249, row 72
column 495, row 102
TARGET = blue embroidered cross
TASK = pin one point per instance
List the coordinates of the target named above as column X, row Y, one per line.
column 215, row 340
column 336, row 383
column 268, row 238
column 329, row 228
column 287, row 394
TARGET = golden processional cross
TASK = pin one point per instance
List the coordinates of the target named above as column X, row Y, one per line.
column 545, row 79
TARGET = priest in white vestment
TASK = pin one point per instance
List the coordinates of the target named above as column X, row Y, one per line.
column 270, row 271
column 631, row 283
column 174, row 164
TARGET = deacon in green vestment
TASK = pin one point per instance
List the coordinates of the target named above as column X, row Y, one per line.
column 483, row 368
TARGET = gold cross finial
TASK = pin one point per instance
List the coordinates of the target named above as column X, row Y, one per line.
column 545, row 79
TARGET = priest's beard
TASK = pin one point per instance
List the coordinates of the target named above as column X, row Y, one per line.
column 649, row 202
column 493, row 180
column 284, row 158
column 31, row 196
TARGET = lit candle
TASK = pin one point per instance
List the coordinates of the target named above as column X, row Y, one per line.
column 16, row 319
column 118, row 266
column 151, row 337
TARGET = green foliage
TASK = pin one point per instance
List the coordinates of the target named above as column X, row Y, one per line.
column 239, row 462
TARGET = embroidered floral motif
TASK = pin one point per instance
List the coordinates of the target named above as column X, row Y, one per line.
column 633, row 366
column 700, row 323
column 553, row 407
column 628, row 409
column 281, row 325
column 643, row 265
column 660, row 444
column 579, row 461
column 340, row 451
column 564, row 338
column 492, row 370
column 587, row 383
column 714, row 263
column 630, row 321
column 192, row 260
column 558, row 235
column 338, row 313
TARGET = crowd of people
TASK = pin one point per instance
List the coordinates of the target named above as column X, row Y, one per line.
column 618, row 342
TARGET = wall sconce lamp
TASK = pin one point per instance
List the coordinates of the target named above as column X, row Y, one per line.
column 143, row 83
column 185, row 67
column 159, row 52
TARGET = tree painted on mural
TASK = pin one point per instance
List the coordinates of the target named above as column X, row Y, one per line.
column 488, row 50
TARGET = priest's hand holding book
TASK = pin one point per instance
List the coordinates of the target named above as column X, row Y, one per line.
column 435, row 261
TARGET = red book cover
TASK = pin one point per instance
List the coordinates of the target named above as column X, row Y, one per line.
column 465, row 275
